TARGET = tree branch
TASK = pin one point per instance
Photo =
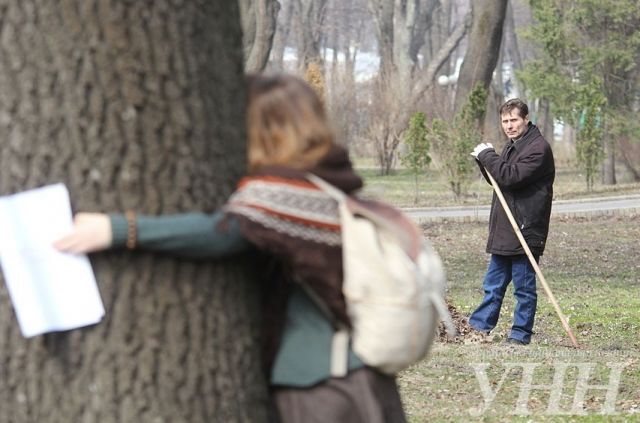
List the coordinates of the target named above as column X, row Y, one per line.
column 428, row 76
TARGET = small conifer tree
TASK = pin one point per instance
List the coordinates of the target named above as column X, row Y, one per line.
column 417, row 156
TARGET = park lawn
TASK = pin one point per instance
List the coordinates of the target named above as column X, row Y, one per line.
column 593, row 269
column 399, row 188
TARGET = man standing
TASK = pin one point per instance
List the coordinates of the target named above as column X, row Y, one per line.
column 524, row 172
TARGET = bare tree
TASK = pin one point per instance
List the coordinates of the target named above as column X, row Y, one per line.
column 346, row 24
column 258, row 27
column 281, row 37
column 383, row 11
column 512, row 43
column 483, row 48
column 133, row 105
column 403, row 81
column 310, row 15
column 422, row 27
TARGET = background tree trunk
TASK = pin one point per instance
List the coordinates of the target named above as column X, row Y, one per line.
column 133, row 105
column 422, row 27
column 483, row 48
column 515, row 49
column 382, row 11
column 492, row 131
column 609, row 162
column 545, row 120
column 310, row 15
column 258, row 28
column 629, row 152
column 283, row 28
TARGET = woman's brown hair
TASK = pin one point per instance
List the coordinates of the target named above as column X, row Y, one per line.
column 286, row 123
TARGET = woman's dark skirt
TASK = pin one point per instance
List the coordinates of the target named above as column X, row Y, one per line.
column 364, row 395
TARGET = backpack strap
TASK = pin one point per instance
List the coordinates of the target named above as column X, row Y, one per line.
column 340, row 340
column 340, row 353
column 334, row 192
column 357, row 209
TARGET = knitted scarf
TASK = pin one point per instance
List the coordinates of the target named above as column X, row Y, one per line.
column 292, row 220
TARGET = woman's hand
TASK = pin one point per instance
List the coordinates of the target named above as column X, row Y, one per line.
column 91, row 232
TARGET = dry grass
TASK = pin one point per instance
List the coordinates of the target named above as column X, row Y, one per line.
column 399, row 188
column 593, row 269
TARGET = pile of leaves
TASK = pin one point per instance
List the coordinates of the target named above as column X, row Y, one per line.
column 465, row 334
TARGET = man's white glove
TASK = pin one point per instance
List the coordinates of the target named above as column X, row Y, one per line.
column 481, row 147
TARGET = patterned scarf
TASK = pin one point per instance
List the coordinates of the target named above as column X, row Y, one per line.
column 295, row 222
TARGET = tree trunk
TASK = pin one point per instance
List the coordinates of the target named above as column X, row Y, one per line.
column 426, row 12
column 609, row 163
column 428, row 74
column 382, row 11
column 483, row 49
column 492, row 131
column 629, row 152
column 258, row 28
column 133, row 105
column 516, row 88
column 310, row 14
column 281, row 37
column 545, row 120
column 405, row 16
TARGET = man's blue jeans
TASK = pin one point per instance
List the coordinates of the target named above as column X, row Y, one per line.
column 502, row 270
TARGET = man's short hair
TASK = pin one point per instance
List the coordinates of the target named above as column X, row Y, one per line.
column 515, row 103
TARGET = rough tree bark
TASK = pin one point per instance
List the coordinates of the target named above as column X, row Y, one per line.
column 258, row 28
column 133, row 105
column 483, row 48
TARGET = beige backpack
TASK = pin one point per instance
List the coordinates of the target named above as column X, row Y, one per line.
column 395, row 302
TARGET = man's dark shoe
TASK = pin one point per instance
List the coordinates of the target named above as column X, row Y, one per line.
column 515, row 341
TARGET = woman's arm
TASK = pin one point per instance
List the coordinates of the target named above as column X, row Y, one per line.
column 190, row 235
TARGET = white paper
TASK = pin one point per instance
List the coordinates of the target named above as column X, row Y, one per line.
column 50, row 290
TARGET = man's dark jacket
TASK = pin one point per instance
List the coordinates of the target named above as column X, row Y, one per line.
column 524, row 172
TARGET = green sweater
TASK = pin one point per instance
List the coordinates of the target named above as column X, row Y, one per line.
column 304, row 356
